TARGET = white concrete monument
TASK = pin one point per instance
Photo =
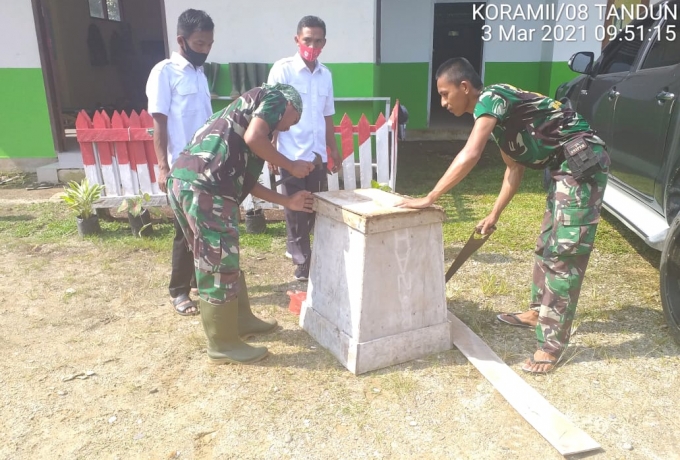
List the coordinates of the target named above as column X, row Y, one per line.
column 376, row 294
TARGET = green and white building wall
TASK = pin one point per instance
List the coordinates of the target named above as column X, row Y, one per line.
column 376, row 48
column 381, row 48
column 25, row 130
column 262, row 31
column 406, row 69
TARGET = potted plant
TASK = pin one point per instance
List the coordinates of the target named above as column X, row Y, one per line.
column 138, row 216
column 380, row 186
column 80, row 198
column 255, row 219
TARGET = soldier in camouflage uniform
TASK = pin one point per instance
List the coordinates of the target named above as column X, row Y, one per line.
column 209, row 180
column 531, row 130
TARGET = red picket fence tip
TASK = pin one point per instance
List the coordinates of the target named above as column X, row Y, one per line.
column 118, row 149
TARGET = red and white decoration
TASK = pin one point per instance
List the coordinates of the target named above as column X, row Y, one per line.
column 381, row 167
column 118, row 153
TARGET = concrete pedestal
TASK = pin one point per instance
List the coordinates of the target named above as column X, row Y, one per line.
column 376, row 294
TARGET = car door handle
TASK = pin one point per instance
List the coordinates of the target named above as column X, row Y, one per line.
column 613, row 94
column 664, row 96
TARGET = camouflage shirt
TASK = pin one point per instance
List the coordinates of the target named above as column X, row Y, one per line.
column 218, row 160
column 531, row 128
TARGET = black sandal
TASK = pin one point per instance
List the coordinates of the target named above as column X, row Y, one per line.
column 515, row 320
column 182, row 303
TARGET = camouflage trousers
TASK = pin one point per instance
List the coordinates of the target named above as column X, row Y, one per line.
column 562, row 253
column 210, row 227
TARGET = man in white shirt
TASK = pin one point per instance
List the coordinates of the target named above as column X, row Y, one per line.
column 313, row 134
column 179, row 102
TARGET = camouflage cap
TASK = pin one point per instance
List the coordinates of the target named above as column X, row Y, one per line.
column 288, row 92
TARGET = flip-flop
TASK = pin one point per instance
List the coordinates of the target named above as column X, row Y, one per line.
column 515, row 320
column 182, row 303
column 553, row 362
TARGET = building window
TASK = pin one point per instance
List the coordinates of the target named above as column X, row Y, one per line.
column 105, row 9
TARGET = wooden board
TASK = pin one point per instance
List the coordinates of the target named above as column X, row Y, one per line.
column 108, row 202
column 548, row 421
column 372, row 210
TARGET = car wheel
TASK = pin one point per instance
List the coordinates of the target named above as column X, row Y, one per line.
column 670, row 279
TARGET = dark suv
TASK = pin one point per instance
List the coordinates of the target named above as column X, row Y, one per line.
column 629, row 96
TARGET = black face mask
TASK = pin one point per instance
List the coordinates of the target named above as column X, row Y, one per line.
column 196, row 59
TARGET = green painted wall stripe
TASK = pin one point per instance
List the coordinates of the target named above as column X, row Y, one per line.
column 25, row 130
column 542, row 77
column 559, row 73
column 353, row 80
column 349, row 80
column 24, row 113
column 408, row 83
column 524, row 75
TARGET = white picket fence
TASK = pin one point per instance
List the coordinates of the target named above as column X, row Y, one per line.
column 118, row 153
column 381, row 166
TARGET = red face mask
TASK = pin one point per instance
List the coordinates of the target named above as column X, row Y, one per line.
column 309, row 54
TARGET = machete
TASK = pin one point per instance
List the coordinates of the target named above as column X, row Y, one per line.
column 475, row 242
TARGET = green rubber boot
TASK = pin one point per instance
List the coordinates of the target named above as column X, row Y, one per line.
column 220, row 323
column 249, row 324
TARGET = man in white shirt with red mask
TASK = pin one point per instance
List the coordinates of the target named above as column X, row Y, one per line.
column 179, row 102
column 313, row 134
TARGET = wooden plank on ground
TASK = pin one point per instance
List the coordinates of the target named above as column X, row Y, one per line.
column 108, row 202
column 548, row 421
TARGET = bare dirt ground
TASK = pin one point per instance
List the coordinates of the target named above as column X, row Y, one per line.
column 145, row 390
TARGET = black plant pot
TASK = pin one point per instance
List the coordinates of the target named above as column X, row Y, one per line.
column 255, row 221
column 138, row 222
column 88, row 226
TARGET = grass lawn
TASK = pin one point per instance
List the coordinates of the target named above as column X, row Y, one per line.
column 99, row 308
column 420, row 166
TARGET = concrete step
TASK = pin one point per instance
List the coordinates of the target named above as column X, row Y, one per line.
column 69, row 166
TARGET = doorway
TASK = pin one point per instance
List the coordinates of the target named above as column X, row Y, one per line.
column 96, row 55
column 456, row 33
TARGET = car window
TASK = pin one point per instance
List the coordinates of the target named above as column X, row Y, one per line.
column 666, row 48
column 622, row 56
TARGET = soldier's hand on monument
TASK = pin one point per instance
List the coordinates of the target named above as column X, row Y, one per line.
column 300, row 168
column 414, row 203
column 301, row 201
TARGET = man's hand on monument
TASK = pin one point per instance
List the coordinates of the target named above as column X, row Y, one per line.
column 301, row 201
column 415, row 203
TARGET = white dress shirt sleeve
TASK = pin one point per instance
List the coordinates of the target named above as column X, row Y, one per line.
column 159, row 92
column 329, row 108
column 276, row 75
